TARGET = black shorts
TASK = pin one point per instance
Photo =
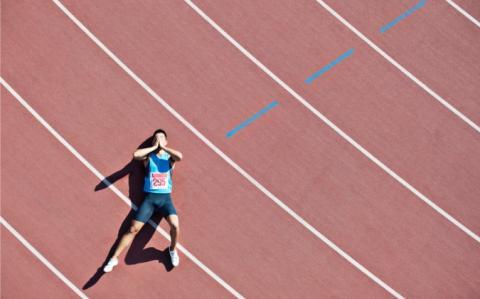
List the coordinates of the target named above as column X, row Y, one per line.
column 155, row 202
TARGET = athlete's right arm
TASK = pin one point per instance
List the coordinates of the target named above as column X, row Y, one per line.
column 142, row 153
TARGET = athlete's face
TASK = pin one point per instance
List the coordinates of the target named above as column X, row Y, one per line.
column 161, row 138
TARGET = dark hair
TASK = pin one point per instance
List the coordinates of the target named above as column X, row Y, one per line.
column 159, row 131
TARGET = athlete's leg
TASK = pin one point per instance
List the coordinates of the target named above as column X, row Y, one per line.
column 124, row 242
column 141, row 217
column 174, row 229
column 128, row 237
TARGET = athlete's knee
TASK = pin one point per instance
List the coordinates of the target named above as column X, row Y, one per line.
column 134, row 230
column 174, row 226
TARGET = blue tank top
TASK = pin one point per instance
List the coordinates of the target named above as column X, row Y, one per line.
column 158, row 178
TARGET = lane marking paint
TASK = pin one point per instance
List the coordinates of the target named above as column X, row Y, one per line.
column 39, row 256
column 115, row 189
column 400, row 67
column 329, row 66
column 403, row 16
column 251, row 119
column 464, row 13
column 226, row 158
column 334, row 127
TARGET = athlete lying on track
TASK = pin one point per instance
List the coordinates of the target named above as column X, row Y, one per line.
column 159, row 161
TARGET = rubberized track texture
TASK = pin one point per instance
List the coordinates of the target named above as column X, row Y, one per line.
column 324, row 156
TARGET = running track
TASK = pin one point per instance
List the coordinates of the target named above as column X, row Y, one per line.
column 230, row 225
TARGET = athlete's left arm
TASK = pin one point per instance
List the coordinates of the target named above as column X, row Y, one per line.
column 175, row 155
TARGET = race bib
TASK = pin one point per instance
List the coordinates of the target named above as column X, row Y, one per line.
column 158, row 181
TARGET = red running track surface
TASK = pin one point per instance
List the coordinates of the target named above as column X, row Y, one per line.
column 226, row 222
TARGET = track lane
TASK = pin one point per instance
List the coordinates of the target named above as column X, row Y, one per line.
column 435, row 43
column 24, row 276
column 470, row 6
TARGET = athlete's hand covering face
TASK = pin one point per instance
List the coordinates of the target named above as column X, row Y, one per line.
column 160, row 140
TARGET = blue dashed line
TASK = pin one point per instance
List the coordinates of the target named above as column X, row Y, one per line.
column 251, row 119
column 403, row 16
column 329, row 66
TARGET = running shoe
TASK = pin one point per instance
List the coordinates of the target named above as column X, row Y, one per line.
column 111, row 263
column 174, row 257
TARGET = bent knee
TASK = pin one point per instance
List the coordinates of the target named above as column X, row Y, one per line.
column 174, row 226
column 133, row 230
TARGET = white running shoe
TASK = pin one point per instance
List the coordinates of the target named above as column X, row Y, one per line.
column 174, row 257
column 111, row 263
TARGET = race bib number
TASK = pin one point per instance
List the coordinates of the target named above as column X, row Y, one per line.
column 158, row 181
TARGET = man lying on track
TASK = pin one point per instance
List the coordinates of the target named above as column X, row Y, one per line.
column 159, row 161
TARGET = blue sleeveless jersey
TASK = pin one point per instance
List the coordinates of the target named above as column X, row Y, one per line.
column 158, row 178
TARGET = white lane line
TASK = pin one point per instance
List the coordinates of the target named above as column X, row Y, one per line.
column 114, row 189
column 401, row 68
column 225, row 157
column 334, row 127
column 463, row 12
column 39, row 256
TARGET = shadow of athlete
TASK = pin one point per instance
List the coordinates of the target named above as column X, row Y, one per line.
column 137, row 252
column 159, row 161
